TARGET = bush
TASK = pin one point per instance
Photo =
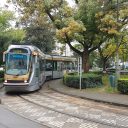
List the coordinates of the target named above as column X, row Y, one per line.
column 111, row 70
column 97, row 72
column 122, row 86
column 1, row 80
column 1, row 74
column 88, row 80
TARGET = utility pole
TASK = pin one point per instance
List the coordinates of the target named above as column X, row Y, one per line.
column 117, row 46
column 80, row 72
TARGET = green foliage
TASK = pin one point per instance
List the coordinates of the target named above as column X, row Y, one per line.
column 5, row 18
column 89, row 24
column 16, row 35
column 1, row 74
column 89, row 80
column 7, row 33
column 122, row 86
column 97, row 72
column 42, row 37
column 1, row 80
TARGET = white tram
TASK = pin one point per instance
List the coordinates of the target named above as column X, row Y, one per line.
column 27, row 68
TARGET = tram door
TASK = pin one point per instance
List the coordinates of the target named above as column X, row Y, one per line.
column 41, row 71
column 59, row 68
column 37, row 72
column 56, row 69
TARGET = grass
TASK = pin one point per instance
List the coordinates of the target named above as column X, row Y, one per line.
column 106, row 88
column 106, row 84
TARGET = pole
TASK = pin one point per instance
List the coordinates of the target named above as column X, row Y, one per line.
column 117, row 46
column 78, row 67
column 80, row 70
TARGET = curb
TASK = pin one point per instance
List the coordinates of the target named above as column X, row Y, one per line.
column 1, row 86
column 85, row 97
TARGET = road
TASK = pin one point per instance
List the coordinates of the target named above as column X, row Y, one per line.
column 54, row 110
column 9, row 119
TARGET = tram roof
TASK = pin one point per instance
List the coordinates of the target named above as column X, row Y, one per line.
column 47, row 57
column 60, row 58
column 31, row 47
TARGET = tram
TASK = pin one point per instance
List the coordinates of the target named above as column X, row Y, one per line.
column 27, row 68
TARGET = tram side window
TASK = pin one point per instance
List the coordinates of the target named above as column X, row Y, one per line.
column 54, row 65
column 42, row 65
column 48, row 65
column 68, row 66
column 59, row 66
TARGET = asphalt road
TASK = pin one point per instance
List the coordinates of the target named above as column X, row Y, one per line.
column 9, row 119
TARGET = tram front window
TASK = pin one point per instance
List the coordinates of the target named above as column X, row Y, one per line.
column 17, row 64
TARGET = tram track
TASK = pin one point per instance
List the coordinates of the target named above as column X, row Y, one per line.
column 51, row 101
column 24, row 116
column 71, row 115
column 105, row 106
column 19, row 98
column 75, row 115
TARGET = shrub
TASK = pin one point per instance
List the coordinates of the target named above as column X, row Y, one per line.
column 1, row 74
column 88, row 80
column 111, row 70
column 1, row 80
column 122, row 86
column 97, row 72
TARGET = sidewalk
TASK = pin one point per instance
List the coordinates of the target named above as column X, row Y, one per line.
column 1, row 85
column 116, row 99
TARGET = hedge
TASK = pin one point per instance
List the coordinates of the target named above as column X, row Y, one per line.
column 122, row 86
column 1, row 74
column 88, row 80
column 1, row 80
column 97, row 72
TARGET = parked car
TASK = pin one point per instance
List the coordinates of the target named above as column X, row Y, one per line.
column 111, row 70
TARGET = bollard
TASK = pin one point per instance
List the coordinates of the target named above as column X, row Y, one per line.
column 112, row 80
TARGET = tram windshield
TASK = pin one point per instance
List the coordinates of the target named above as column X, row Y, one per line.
column 17, row 64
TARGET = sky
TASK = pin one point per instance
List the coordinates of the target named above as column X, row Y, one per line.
column 2, row 2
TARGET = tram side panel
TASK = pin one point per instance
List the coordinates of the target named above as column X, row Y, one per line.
column 42, row 76
column 57, row 70
column 53, row 69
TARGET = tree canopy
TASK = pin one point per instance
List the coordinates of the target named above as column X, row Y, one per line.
column 7, row 33
column 90, row 23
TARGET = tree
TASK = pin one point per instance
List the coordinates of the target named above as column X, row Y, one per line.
column 80, row 24
column 69, row 26
column 5, row 18
column 113, row 25
column 106, row 51
column 39, row 31
column 7, row 33
column 40, row 37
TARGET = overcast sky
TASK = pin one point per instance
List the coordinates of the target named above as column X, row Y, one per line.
column 2, row 2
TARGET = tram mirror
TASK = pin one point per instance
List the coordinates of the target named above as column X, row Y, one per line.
column 35, row 59
column 4, row 54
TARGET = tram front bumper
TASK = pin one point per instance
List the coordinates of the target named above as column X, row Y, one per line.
column 15, row 84
column 16, row 87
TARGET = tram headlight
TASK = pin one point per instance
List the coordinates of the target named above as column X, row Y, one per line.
column 5, row 81
column 25, row 81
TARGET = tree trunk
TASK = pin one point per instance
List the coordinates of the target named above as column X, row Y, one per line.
column 104, row 64
column 85, row 61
